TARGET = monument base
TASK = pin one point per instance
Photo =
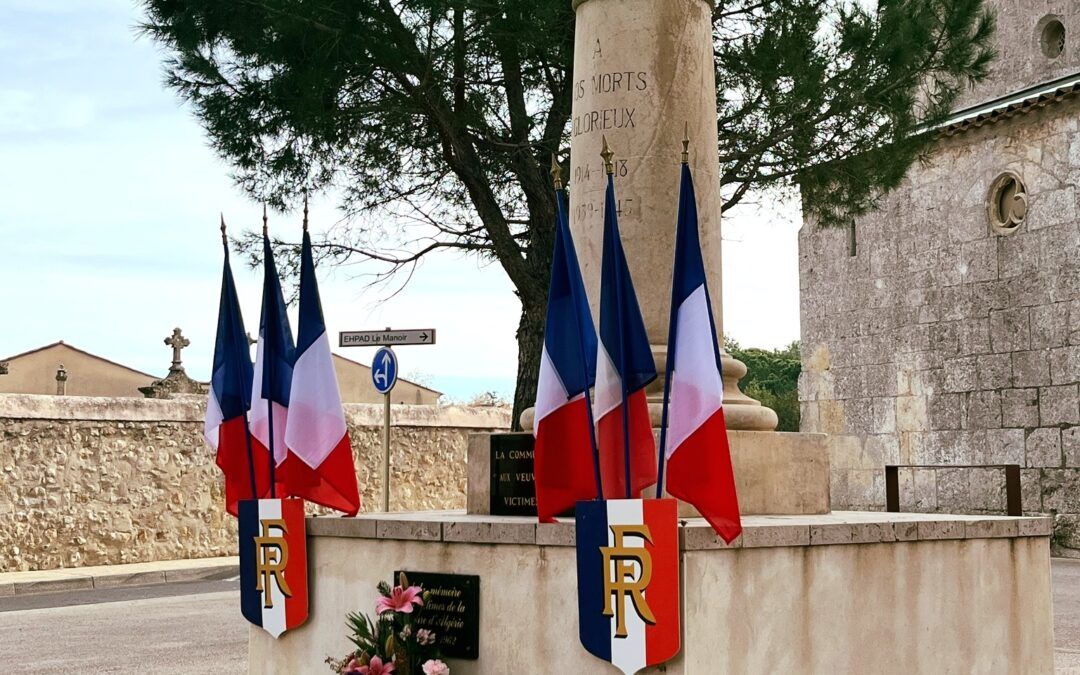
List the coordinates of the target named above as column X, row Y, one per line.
column 849, row 592
column 776, row 473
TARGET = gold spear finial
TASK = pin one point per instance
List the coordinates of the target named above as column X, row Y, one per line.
column 305, row 212
column 224, row 237
column 686, row 143
column 556, row 172
column 607, row 154
column 266, row 229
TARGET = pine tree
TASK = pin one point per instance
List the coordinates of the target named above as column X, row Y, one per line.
column 440, row 116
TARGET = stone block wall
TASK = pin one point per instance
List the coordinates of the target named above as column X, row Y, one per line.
column 943, row 342
column 1021, row 62
column 93, row 481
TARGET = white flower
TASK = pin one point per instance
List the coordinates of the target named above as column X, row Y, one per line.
column 436, row 667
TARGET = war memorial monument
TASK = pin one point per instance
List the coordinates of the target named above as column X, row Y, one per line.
column 803, row 589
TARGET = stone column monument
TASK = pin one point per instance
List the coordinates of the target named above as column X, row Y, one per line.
column 643, row 76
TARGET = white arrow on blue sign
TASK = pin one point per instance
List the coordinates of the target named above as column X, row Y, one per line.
column 384, row 370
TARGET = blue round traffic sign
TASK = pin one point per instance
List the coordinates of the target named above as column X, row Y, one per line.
column 384, row 370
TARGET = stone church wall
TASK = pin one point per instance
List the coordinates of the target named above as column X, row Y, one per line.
column 942, row 342
column 1021, row 60
column 93, row 481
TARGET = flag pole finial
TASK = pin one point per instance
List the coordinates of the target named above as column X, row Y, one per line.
column 266, row 229
column 305, row 212
column 556, row 172
column 686, row 143
column 224, row 237
column 607, row 154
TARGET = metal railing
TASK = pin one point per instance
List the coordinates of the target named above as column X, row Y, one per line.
column 1013, row 505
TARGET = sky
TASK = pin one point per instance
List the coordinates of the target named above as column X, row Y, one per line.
column 109, row 203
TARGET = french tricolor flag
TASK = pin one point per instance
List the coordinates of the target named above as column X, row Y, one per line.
column 565, row 455
column 226, row 427
column 694, row 436
column 319, row 466
column 273, row 367
column 624, row 367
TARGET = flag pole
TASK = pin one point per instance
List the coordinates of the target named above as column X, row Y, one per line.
column 247, row 429
column 269, row 402
column 560, row 215
column 609, row 168
column 669, row 366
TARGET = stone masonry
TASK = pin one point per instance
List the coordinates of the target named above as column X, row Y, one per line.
column 93, row 481
column 935, row 339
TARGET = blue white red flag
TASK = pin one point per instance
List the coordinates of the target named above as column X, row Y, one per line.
column 226, row 426
column 694, row 436
column 624, row 366
column 319, row 465
column 565, row 450
column 628, row 581
column 274, row 357
column 273, row 563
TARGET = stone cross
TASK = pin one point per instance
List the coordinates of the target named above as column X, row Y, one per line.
column 177, row 341
column 61, row 380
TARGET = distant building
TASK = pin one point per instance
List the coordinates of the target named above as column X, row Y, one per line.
column 60, row 368
column 82, row 373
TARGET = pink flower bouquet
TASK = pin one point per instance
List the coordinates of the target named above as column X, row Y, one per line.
column 392, row 644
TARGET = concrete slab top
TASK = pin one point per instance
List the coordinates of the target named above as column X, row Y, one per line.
column 838, row 527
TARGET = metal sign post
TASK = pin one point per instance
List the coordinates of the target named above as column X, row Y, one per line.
column 384, row 374
column 384, row 370
column 386, row 454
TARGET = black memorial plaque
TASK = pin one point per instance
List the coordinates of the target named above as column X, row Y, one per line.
column 451, row 611
column 513, row 487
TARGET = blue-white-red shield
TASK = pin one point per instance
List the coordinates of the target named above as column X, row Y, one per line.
column 628, row 580
column 273, row 563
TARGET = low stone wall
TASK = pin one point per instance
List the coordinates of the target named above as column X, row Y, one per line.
column 95, row 481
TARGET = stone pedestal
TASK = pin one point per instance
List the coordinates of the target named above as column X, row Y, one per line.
column 775, row 473
column 842, row 593
column 644, row 77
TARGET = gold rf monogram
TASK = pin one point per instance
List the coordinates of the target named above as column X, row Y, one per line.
column 272, row 555
column 620, row 566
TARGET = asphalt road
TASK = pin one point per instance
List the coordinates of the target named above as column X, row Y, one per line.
column 1066, row 582
column 171, row 628
column 196, row 628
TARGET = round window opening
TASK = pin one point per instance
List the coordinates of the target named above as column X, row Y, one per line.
column 1053, row 39
column 1008, row 203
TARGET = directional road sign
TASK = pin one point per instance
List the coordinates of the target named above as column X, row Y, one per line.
column 384, row 370
column 389, row 337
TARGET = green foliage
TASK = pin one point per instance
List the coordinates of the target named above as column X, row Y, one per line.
column 833, row 96
column 773, row 379
column 436, row 119
column 366, row 633
column 393, row 635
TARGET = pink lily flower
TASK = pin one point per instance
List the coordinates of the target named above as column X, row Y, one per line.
column 377, row 667
column 400, row 600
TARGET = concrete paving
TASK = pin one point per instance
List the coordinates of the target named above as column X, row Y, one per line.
column 112, row 576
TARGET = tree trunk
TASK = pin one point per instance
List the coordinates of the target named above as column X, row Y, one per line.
column 530, row 339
